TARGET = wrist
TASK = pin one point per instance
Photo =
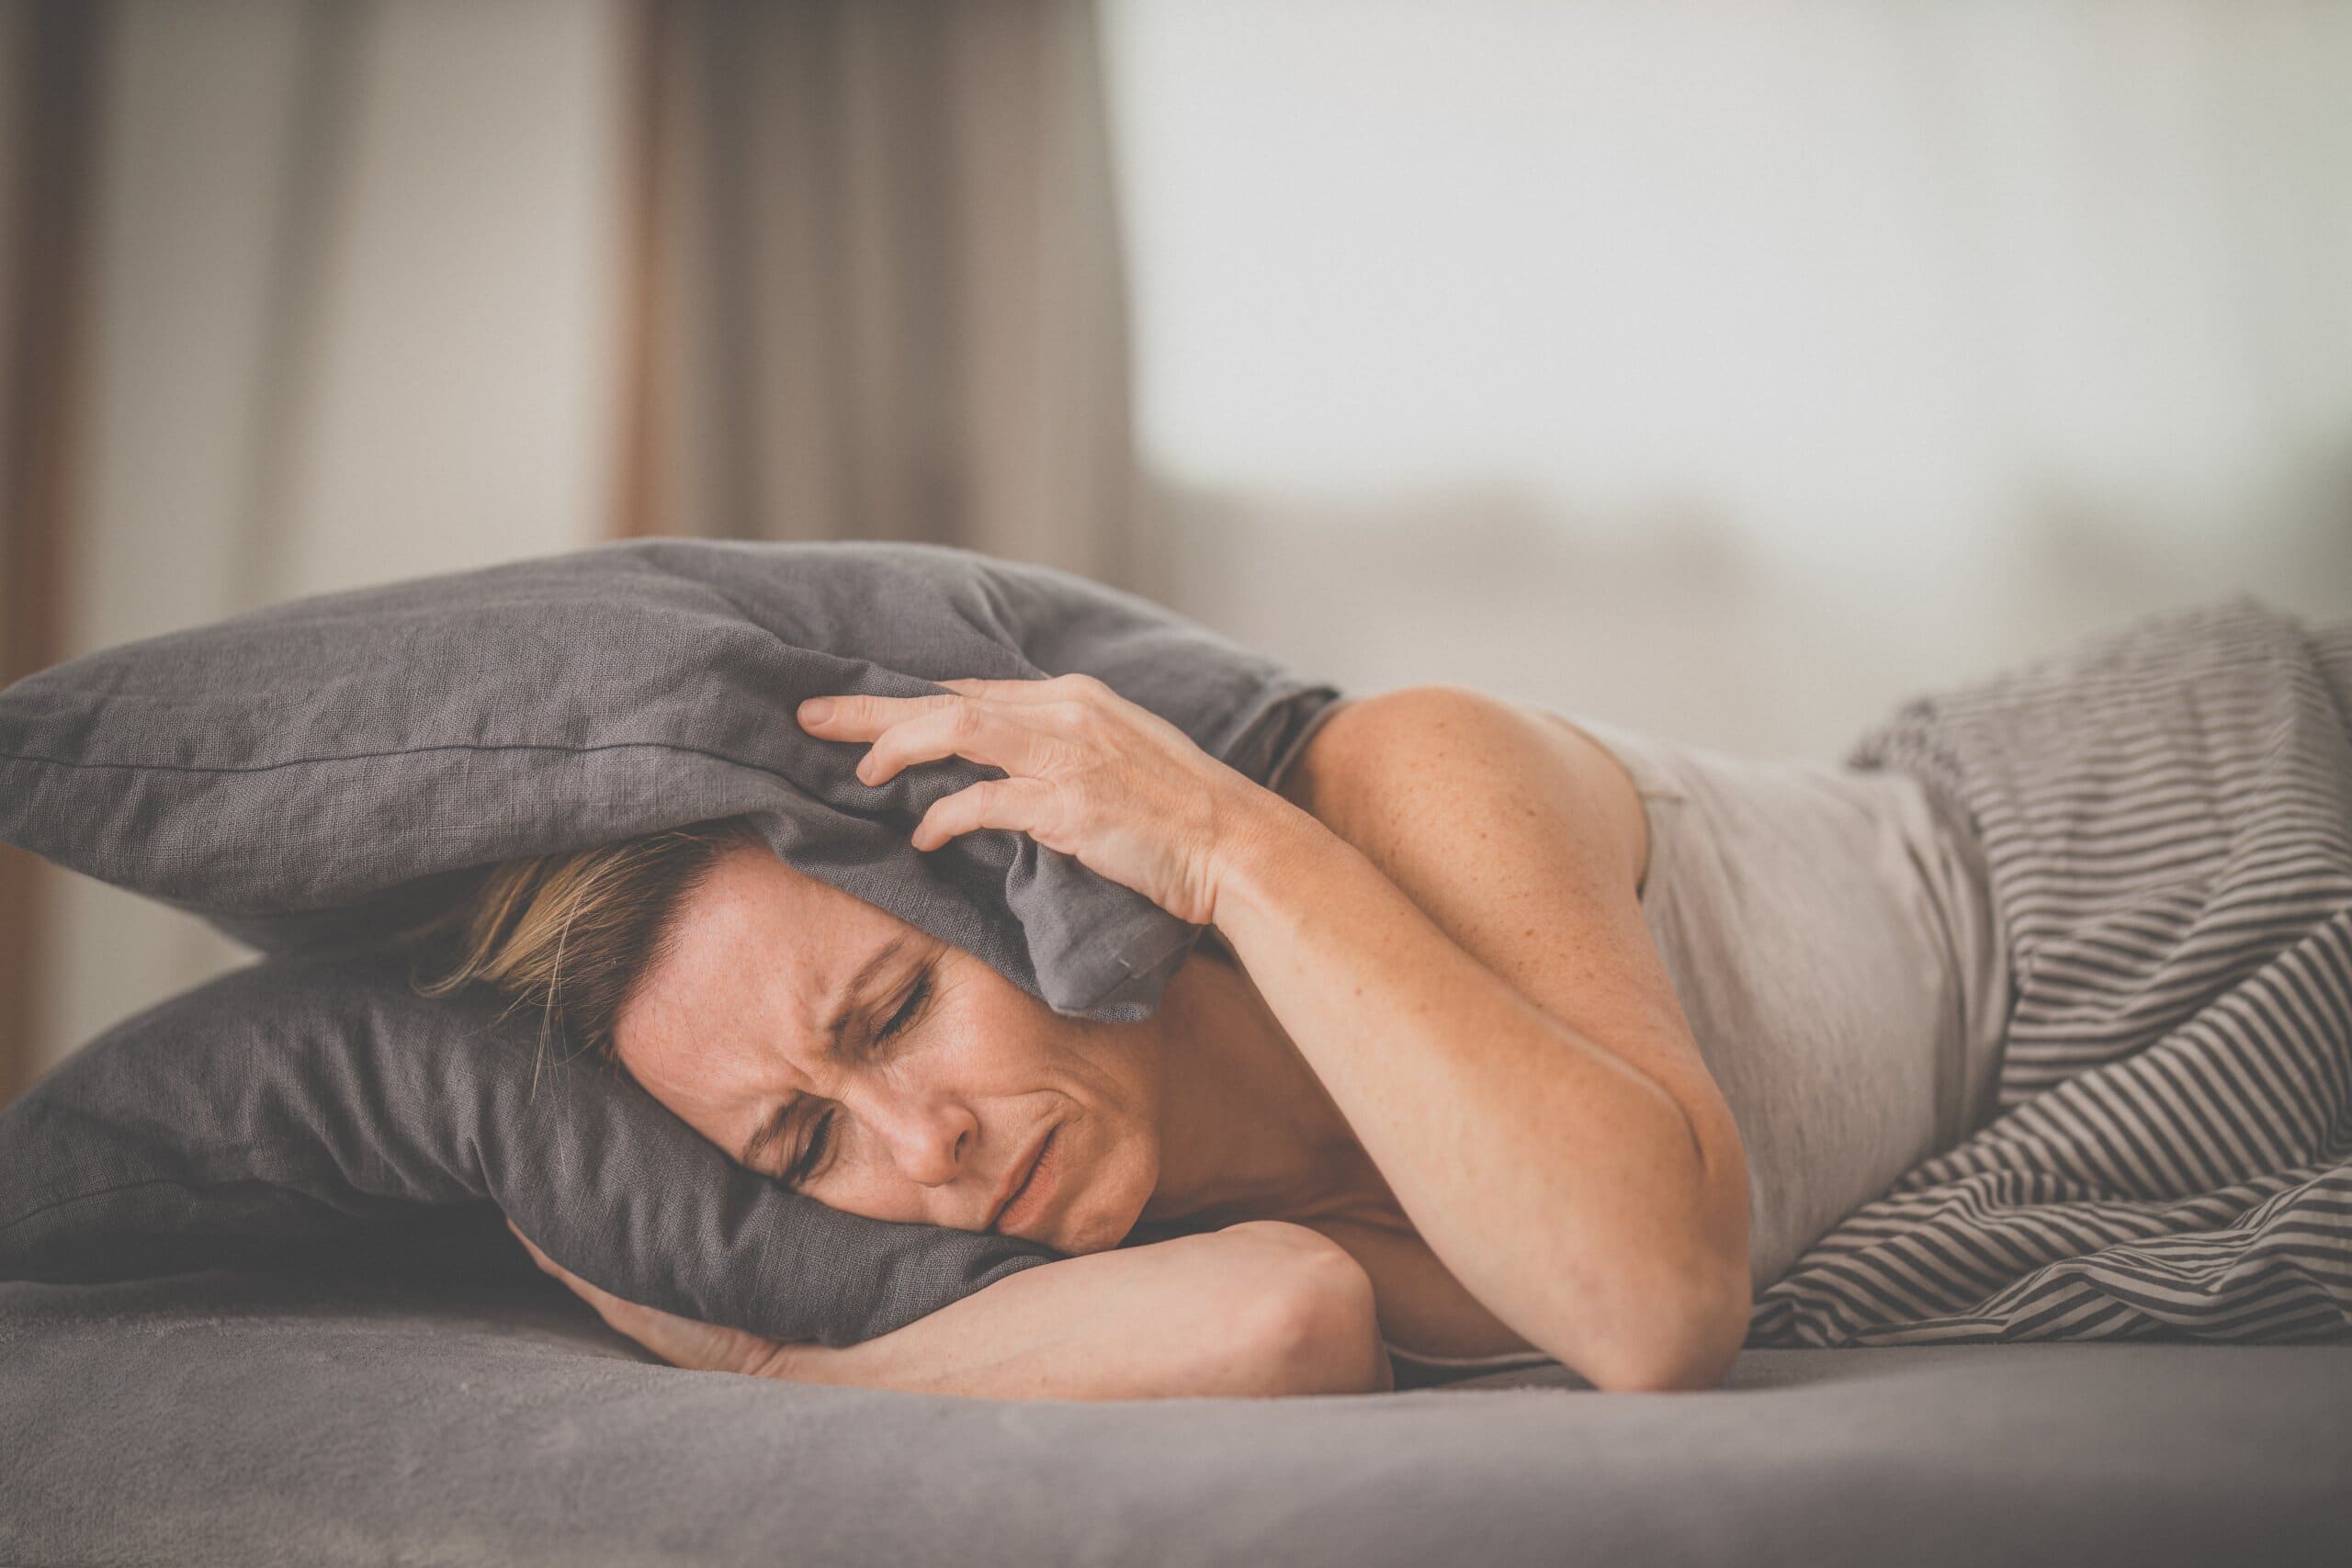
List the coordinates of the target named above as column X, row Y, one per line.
column 1260, row 845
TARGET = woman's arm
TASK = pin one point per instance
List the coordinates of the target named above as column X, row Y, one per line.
column 1256, row 1309
column 1483, row 1002
column 1450, row 932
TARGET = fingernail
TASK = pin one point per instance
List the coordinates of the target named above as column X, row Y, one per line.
column 815, row 710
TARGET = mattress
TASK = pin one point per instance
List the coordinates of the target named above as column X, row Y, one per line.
column 420, row 1396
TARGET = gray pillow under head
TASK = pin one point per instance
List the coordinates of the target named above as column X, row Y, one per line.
column 314, row 776
column 280, row 1103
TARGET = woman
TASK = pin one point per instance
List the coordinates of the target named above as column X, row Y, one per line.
column 1431, row 1085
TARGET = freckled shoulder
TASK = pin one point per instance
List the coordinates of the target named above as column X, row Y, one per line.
column 1367, row 742
column 1527, row 843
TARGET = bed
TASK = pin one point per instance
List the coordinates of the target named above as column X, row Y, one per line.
column 414, row 1392
column 418, row 1394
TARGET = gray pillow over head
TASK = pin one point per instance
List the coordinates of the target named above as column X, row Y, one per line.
column 314, row 776
column 277, row 1104
column 314, row 771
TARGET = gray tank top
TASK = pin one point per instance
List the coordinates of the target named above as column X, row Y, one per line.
column 1829, row 935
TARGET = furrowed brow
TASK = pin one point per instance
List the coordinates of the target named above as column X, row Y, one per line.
column 836, row 1028
column 836, row 1032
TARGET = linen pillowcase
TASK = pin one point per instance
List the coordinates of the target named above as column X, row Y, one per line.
column 320, row 771
column 315, row 776
column 286, row 1102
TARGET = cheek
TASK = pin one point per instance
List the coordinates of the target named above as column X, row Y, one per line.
column 1119, row 1171
column 1121, row 1143
column 1126, row 1065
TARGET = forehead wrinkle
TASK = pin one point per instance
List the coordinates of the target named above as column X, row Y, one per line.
column 833, row 1031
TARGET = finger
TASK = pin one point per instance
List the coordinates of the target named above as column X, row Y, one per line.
column 863, row 718
column 681, row 1341
column 592, row 1296
column 1077, row 684
column 972, row 728
column 547, row 1265
column 1031, row 691
column 1021, row 806
column 608, row 1304
column 674, row 1339
column 678, row 1340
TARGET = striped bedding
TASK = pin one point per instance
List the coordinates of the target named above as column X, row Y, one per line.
column 2166, row 817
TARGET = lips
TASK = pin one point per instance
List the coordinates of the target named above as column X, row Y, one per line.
column 1027, row 1169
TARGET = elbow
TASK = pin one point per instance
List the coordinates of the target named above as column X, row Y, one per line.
column 1684, row 1345
column 1318, row 1331
column 1684, row 1329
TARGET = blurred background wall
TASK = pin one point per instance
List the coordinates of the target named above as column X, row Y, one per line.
column 1729, row 370
column 342, row 311
column 1734, row 369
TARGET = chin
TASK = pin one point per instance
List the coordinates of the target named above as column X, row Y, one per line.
column 1113, row 1204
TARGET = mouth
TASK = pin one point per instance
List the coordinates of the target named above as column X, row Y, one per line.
column 1028, row 1192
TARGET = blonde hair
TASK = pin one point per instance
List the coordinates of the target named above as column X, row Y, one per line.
column 573, row 935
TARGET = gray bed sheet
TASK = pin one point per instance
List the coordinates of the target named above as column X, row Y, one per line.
column 420, row 1399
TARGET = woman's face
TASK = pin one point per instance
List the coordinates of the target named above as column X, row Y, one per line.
column 820, row 1040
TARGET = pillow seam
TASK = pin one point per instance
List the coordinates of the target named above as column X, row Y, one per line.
column 402, row 752
column 283, row 1181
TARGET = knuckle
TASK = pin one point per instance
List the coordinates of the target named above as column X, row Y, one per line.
column 973, row 806
column 1051, row 820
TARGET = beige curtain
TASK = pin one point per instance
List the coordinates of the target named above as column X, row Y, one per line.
column 332, row 300
column 877, row 281
column 48, row 80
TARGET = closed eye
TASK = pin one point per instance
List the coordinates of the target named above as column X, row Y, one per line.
column 908, row 1010
column 806, row 1166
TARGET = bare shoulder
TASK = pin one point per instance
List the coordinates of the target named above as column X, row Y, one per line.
column 1397, row 745
column 1525, row 840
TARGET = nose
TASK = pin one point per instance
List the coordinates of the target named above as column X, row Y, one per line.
column 928, row 1138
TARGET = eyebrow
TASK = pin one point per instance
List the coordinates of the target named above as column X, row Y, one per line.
column 836, row 1032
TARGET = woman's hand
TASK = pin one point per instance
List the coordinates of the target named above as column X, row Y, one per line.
column 681, row 1341
column 1089, row 774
